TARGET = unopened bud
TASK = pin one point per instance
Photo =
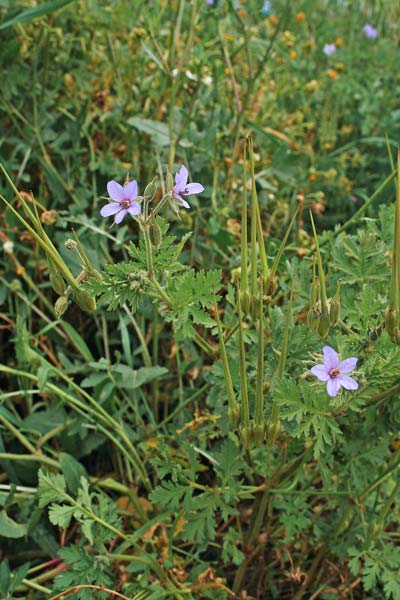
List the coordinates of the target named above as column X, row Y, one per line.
column 323, row 325
column 61, row 306
column 150, row 190
column 84, row 301
column 155, row 232
column 257, row 434
column 391, row 321
column 246, row 437
column 56, row 280
column 245, row 301
column 312, row 320
column 270, row 285
column 334, row 312
column 254, row 309
column 234, row 415
column 169, row 182
column 273, row 432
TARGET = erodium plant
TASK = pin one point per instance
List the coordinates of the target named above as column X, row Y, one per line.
column 258, row 480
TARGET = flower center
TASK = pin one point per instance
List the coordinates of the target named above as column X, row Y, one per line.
column 334, row 373
column 124, row 203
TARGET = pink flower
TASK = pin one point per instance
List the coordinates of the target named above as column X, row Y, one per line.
column 332, row 371
column 182, row 188
column 329, row 49
column 123, row 201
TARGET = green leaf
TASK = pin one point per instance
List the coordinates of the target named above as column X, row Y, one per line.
column 10, row 528
column 159, row 132
column 72, row 471
column 52, row 488
column 61, row 515
column 33, row 13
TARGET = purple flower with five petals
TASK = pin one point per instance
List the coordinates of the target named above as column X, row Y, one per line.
column 329, row 49
column 183, row 188
column 332, row 371
column 370, row 31
column 123, row 201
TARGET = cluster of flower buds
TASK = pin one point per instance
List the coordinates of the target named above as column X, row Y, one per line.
column 322, row 314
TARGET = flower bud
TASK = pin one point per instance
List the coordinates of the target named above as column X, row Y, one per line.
column 246, row 437
column 312, row 320
column 245, row 301
column 391, row 322
column 155, row 232
column 169, row 182
column 334, row 311
column 150, row 190
column 61, row 306
column 56, row 280
column 257, row 433
column 273, row 432
column 270, row 285
column 234, row 415
column 323, row 325
column 84, row 301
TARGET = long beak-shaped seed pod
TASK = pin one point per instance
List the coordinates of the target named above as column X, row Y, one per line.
column 259, row 425
column 254, row 202
column 324, row 321
column 274, row 426
column 233, row 405
column 245, row 430
column 244, row 279
column 392, row 315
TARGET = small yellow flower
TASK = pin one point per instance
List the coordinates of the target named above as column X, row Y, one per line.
column 339, row 41
column 293, row 54
column 227, row 71
column 274, row 19
column 228, row 36
column 312, row 86
column 332, row 74
column 241, row 12
column 340, row 67
column 300, row 17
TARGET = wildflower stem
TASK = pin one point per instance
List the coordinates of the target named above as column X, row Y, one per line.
column 149, row 253
column 321, row 273
column 259, row 407
column 244, row 281
column 243, row 372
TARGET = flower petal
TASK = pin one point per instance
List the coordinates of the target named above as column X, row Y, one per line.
column 347, row 382
column 119, row 217
column 110, row 209
column 184, row 203
column 115, row 191
column 131, row 190
column 182, row 176
column 348, row 365
column 176, row 195
column 321, row 372
column 134, row 209
column 194, row 188
column 331, row 358
column 333, row 387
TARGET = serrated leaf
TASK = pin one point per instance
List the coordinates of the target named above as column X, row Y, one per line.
column 61, row 515
column 52, row 488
